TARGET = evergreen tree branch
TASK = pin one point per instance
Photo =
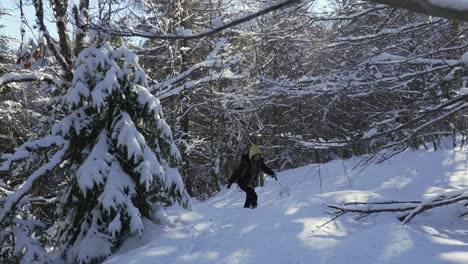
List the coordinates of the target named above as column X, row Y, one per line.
column 11, row 200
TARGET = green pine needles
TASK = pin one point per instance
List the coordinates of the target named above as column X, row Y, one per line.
column 108, row 158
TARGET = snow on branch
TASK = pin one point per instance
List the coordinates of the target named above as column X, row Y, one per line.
column 414, row 131
column 133, row 143
column 129, row 139
column 385, row 32
column 410, row 128
column 23, row 152
column 439, row 200
column 410, row 209
column 386, row 59
column 451, row 9
column 11, row 200
column 84, row 250
column 331, row 17
column 226, row 74
column 457, row 104
column 316, row 144
column 95, row 168
column 186, row 34
column 170, row 86
column 28, row 76
column 76, row 122
column 209, row 62
column 26, row 246
column 376, row 207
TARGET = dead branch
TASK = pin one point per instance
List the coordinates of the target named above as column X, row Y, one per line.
column 410, row 208
column 27, row 76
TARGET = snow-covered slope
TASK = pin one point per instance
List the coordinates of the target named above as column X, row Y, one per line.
column 288, row 228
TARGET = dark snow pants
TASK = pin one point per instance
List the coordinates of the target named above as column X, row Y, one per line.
column 251, row 197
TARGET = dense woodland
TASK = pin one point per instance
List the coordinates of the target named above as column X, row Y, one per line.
column 124, row 107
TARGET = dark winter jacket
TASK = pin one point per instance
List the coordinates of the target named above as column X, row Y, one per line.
column 242, row 174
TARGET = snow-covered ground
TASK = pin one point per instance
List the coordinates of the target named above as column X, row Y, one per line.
column 287, row 228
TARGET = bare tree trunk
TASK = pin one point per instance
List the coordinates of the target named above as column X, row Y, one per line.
column 62, row 52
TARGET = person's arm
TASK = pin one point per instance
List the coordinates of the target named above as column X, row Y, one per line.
column 232, row 179
column 235, row 175
column 267, row 170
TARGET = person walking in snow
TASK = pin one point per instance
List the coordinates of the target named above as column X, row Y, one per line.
column 247, row 173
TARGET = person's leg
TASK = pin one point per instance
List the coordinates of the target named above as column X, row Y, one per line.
column 254, row 198
column 247, row 196
column 251, row 198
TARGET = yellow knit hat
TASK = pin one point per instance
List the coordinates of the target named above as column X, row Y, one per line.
column 254, row 150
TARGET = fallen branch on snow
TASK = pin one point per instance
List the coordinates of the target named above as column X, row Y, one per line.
column 410, row 208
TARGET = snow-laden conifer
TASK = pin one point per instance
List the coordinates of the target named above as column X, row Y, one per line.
column 109, row 155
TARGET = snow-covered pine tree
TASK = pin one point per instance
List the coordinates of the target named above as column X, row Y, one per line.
column 109, row 155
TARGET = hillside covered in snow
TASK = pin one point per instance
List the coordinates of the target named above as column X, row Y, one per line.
column 288, row 226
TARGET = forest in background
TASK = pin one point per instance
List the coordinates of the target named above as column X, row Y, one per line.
column 307, row 84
